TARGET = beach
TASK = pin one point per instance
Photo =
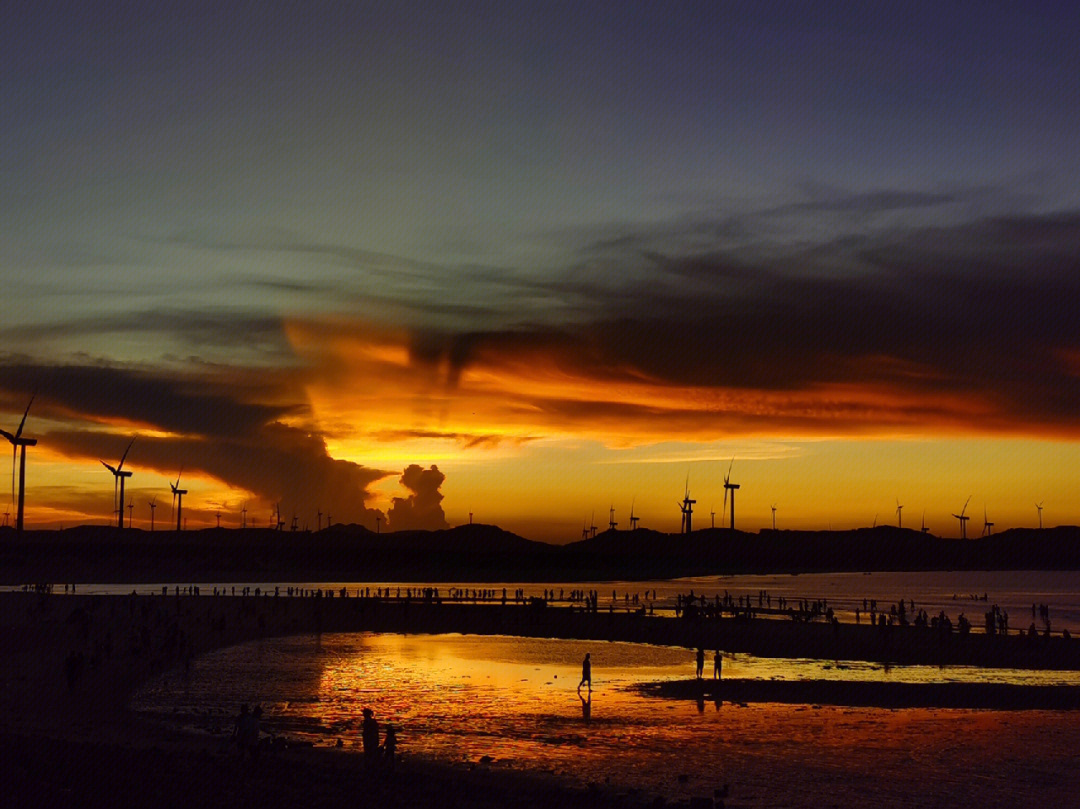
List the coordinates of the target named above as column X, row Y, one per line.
column 77, row 741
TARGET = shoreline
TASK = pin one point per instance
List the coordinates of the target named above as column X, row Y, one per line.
column 70, row 734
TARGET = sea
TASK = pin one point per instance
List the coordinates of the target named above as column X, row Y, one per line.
column 517, row 703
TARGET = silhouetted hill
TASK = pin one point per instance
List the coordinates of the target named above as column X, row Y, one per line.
column 487, row 553
column 719, row 550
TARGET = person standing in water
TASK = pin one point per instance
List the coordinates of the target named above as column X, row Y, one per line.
column 586, row 672
column 369, row 733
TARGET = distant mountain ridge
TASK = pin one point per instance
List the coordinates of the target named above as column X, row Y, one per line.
column 479, row 552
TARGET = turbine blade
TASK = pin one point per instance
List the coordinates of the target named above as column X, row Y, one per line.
column 23, row 422
column 112, row 469
column 124, row 456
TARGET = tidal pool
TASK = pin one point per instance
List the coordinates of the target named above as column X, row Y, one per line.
column 516, row 701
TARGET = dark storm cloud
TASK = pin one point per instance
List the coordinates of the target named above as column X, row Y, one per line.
column 977, row 312
column 190, row 404
column 221, row 329
column 422, row 509
column 225, row 421
column 280, row 464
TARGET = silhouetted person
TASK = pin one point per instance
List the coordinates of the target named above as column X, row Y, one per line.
column 586, row 672
column 370, row 737
column 717, row 665
column 700, row 662
column 390, row 746
column 238, row 727
column 247, row 731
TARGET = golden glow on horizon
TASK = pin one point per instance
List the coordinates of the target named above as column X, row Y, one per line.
column 545, row 490
column 529, row 442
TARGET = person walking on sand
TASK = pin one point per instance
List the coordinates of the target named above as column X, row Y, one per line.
column 717, row 665
column 370, row 737
column 700, row 662
column 586, row 672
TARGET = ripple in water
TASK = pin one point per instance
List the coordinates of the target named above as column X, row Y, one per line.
column 460, row 698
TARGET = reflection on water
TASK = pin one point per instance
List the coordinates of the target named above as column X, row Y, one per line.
column 513, row 699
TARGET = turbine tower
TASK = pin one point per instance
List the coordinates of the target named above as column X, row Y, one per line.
column 633, row 519
column 687, row 508
column 773, row 507
column 1039, row 507
column 987, row 525
column 119, row 475
column 243, row 517
column 178, row 497
column 899, row 516
column 153, row 505
column 729, row 486
column 924, row 529
column 592, row 525
column 963, row 519
column 131, row 511
column 18, row 446
column 611, row 519
column 585, row 529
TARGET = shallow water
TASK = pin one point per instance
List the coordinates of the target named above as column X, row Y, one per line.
column 516, row 700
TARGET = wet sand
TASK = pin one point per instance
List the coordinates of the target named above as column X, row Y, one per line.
column 791, row 745
column 968, row 696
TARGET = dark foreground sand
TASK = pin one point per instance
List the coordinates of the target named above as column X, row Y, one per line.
column 71, row 741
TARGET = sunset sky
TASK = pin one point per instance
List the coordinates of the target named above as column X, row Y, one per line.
column 572, row 254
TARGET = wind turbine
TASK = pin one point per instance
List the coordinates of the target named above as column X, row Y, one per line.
column 243, row 516
column 131, row 511
column 592, row 525
column 712, row 518
column 729, row 486
column 178, row 497
column 963, row 519
column 773, row 507
column 153, row 505
column 687, row 509
column 611, row 519
column 118, row 478
column 1039, row 507
column 633, row 519
column 18, row 446
column 899, row 516
column 924, row 529
column 585, row 529
column 987, row 525
column 318, row 518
